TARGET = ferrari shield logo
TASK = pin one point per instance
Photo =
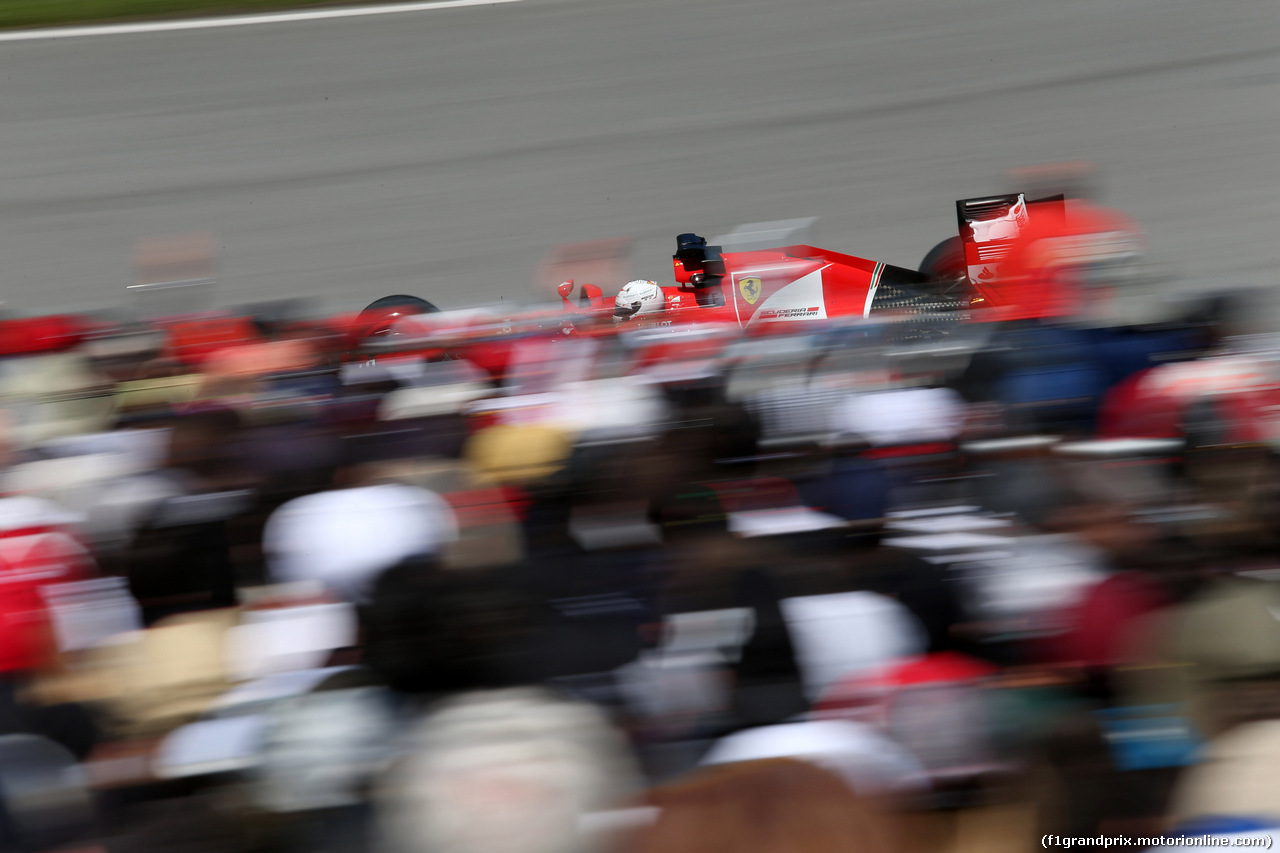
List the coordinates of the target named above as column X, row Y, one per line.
column 750, row 289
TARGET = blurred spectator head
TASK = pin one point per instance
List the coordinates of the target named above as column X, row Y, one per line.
column 519, row 455
column 768, row 806
column 322, row 749
column 868, row 761
column 1238, row 777
column 430, row 630
column 203, row 443
column 507, row 772
column 345, row 538
column 1108, row 527
column 44, row 800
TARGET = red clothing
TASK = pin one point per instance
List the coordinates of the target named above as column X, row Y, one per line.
column 868, row 698
column 1098, row 623
column 35, row 552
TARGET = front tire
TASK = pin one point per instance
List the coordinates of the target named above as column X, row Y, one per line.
column 408, row 304
column 377, row 319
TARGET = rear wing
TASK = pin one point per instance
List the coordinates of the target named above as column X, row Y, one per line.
column 989, row 227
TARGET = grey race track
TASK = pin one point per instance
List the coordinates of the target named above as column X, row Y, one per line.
column 443, row 153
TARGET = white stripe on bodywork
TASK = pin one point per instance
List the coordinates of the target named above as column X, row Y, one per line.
column 804, row 292
column 871, row 294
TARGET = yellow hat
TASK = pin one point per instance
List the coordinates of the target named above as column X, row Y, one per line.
column 518, row 454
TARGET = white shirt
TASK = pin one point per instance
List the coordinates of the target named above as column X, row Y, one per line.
column 868, row 761
column 346, row 538
column 849, row 633
column 906, row 416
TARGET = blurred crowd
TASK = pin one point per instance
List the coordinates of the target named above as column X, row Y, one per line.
column 917, row 585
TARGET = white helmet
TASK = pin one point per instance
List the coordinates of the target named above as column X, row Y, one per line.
column 638, row 297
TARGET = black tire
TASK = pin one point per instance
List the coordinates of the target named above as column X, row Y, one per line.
column 946, row 270
column 412, row 304
column 377, row 318
column 945, row 260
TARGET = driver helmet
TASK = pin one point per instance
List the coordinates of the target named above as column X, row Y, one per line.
column 638, row 297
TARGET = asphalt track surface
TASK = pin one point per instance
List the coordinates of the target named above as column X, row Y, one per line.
column 443, row 153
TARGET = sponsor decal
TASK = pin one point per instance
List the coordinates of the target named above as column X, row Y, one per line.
column 789, row 313
column 801, row 299
column 750, row 288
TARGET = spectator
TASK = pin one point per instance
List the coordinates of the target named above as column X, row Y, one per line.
column 506, row 772
column 771, row 806
column 346, row 537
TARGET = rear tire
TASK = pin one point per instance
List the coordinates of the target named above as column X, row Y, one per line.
column 945, row 260
column 945, row 266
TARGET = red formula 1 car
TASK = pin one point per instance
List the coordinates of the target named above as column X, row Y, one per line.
column 1014, row 258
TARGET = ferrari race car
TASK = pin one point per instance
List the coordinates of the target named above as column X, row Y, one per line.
column 1013, row 258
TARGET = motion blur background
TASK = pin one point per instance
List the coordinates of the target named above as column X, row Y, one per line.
column 443, row 153
column 909, row 586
